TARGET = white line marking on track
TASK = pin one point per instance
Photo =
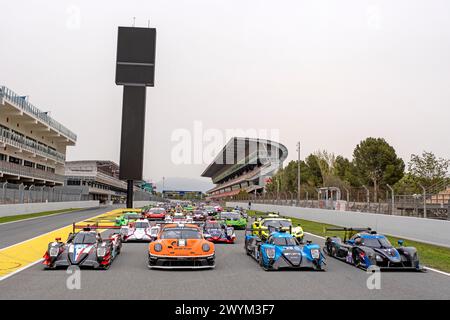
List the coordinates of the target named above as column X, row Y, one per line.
column 16, row 244
column 438, row 271
column 21, row 269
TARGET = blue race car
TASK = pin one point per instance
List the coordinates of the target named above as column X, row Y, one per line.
column 282, row 250
column 364, row 248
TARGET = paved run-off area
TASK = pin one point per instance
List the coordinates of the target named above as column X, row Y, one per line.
column 236, row 276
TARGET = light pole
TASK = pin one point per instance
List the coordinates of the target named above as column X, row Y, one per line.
column 298, row 175
column 162, row 191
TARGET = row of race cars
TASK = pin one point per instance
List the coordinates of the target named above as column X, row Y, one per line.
column 185, row 237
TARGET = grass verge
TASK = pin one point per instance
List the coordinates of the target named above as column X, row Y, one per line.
column 34, row 215
column 430, row 255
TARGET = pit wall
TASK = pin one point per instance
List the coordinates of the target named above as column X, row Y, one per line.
column 424, row 230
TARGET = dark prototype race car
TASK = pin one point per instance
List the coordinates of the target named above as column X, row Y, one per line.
column 84, row 248
column 363, row 248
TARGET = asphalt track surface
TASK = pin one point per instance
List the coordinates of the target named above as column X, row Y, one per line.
column 236, row 276
column 15, row 232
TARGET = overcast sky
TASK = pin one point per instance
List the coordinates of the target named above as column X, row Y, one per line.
column 329, row 73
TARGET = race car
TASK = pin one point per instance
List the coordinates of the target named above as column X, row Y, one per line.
column 85, row 248
column 210, row 210
column 155, row 213
column 363, row 248
column 199, row 215
column 262, row 224
column 181, row 246
column 233, row 219
column 218, row 232
column 242, row 212
column 127, row 218
column 140, row 230
column 282, row 250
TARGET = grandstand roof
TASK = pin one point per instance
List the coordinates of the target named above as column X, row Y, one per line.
column 244, row 151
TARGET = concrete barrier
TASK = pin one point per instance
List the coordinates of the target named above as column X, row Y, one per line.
column 424, row 230
column 26, row 208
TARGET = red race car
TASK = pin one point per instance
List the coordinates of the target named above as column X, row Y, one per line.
column 155, row 214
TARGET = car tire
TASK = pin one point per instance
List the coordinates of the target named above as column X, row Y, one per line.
column 261, row 262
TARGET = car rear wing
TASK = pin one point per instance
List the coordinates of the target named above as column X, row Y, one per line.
column 271, row 229
column 94, row 226
column 349, row 232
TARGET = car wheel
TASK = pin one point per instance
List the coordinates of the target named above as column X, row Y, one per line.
column 261, row 262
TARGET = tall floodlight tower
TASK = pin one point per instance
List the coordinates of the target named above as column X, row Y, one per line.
column 135, row 71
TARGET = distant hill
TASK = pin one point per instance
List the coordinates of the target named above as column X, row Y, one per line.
column 185, row 184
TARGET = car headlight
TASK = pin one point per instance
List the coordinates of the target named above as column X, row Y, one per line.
column 379, row 258
column 54, row 251
column 101, row 252
column 158, row 247
column 270, row 253
column 205, row 247
column 315, row 253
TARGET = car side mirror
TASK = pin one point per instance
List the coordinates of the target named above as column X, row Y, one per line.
column 400, row 242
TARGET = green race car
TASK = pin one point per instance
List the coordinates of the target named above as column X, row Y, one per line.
column 233, row 219
column 126, row 218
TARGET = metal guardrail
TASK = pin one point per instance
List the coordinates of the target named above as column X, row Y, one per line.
column 18, row 141
column 20, row 102
column 19, row 170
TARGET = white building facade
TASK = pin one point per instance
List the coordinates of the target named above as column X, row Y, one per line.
column 32, row 144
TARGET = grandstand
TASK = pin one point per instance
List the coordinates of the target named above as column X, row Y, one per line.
column 32, row 144
column 244, row 165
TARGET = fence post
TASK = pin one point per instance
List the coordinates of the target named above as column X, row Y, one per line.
column 367, row 193
column 424, row 200
column 21, row 193
column 4, row 192
column 393, row 199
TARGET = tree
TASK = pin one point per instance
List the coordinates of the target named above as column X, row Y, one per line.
column 428, row 169
column 376, row 162
column 346, row 170
column 313, row 174
column 407, row 185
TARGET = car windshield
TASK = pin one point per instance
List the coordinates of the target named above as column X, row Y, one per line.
column 141, row 225
column 230, row 215
column 181, row 234
column 155, row 210
column 284, row 241
column 85, row 238
column 277, row 223
column 376, row 243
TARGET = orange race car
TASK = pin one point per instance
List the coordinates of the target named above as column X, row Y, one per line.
column 181, row 246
